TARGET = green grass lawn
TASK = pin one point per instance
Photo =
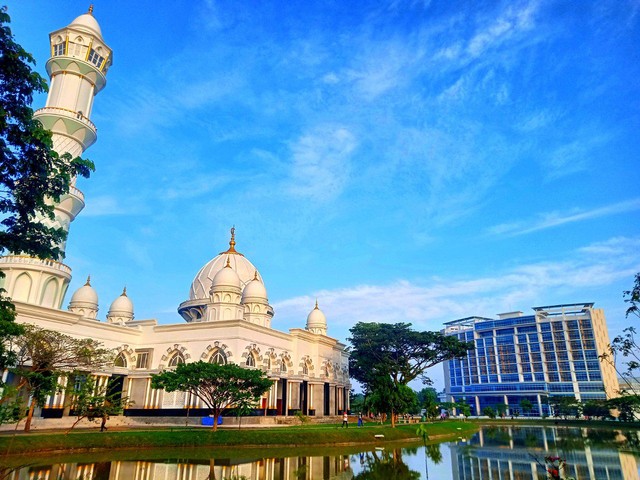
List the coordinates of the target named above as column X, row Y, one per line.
column 194, row 437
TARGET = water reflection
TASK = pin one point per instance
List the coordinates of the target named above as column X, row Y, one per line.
column 519, row 452
column 515, row 453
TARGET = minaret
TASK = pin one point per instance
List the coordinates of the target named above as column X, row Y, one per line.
column 77, row 71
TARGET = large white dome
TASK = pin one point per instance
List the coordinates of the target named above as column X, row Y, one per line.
column 201, row 285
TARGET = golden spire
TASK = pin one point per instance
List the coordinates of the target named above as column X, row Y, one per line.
column 228, row 265
column 232, row 244
column 90, row 12
column 88, row 281
column 255, row 275
column 124, row 291
column 316, row 305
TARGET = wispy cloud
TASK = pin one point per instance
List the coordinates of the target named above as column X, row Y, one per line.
column 555, row 219
column 427, row 304
column 107, row 205
column 321, row 163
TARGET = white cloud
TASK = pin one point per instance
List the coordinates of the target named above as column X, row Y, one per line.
column 555, row 219
column 428, row 304
column 106, row 205
column 321, row 163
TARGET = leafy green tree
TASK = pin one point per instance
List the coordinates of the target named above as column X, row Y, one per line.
column 627, row 345
column 526, row 406
column 596, row 409
column 489, row 412
column 91, row 402
column 501, row 409
column 463, row 408
column 386, row 357
column 428, row 399
column 565, row 406
column 218, row 386
column 392, row 399
column 628, row 407
column 399, row 352
column 44, row 356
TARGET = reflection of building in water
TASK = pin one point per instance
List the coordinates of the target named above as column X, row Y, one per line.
column 518, row 454
column 517, row 357
column 227, row 316
column 299, row 468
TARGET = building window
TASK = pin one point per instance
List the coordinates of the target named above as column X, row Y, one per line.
column 251, row 362
column 96, row 58
column 176, row 360
column 142, row 358
column 59, row 49
column 283, row 367
column 305, row 369
column 120, row 361
column 218, row 357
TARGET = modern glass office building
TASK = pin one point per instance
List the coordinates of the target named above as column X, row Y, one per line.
column 550, row 353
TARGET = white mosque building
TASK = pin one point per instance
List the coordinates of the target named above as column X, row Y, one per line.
column 227, row 316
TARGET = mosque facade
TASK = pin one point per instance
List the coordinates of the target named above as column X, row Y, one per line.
column 227, row 317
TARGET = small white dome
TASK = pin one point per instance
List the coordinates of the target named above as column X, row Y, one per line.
column 84, row 295
column 227, row 277
column 254, row 290
column 316, row 319
column 87, row 23
column 121, row 306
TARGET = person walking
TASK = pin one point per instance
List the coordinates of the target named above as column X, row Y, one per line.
column 359, row 419
column 345, row 419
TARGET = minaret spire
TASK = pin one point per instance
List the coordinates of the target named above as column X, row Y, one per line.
column 232, row 244
column 67, row 115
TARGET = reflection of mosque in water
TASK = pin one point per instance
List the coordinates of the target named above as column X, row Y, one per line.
column 303, row 468
column 517, row 453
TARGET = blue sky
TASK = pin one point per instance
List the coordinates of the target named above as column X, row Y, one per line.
column 414, row 161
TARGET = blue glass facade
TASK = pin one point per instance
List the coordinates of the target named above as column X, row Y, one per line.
column 552, row 352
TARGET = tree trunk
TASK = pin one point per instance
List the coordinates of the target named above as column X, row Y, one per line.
column 27, row 423
column 215, row 421
column 393, row 418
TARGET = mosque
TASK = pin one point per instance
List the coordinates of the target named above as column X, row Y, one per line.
column 227, row 317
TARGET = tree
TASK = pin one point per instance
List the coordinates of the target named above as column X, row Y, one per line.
column 385, row 357
column 91, row 402
column 399, row 352
column 428, row 399
column 218, row 386
column 489, row 412
column 628, row 407
column 44, row 356
column 32, row 174
column 526, row 406
column 596, row 409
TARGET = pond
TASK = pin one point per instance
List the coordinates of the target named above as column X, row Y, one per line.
column 494, row 453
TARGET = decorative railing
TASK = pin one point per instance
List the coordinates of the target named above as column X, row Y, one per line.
column 68, row 113
column 25, row 260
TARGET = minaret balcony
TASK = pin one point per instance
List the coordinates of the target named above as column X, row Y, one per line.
column 35, row 263
column 69, row 123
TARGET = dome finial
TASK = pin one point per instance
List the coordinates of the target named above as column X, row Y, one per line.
column 255, row 275
column 88, row 281
column 228, row 265
column 90, row 12
column 124, row 291
column 232, row 243
column 316, row 305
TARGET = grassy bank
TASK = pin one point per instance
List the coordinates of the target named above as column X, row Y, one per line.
column 299, row 436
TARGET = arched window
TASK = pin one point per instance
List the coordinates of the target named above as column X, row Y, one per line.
column 251, row 362
column 120, row 361
column 176, row 360
column 218, row 357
